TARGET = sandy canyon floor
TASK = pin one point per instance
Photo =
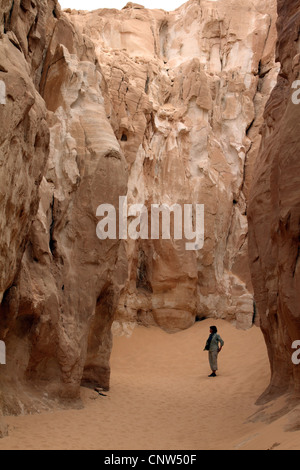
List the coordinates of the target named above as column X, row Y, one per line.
column 161, row 398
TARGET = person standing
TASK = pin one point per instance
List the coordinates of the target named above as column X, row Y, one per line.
column 214, row 346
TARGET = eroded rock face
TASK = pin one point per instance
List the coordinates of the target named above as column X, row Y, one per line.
column 185, row 93
column 62, row 160
column 23, row 113
column 274, row 212
column 159, row 107
column 24, row 135
column 24, row 141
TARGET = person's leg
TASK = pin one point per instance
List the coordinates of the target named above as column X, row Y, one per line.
column 213, row 360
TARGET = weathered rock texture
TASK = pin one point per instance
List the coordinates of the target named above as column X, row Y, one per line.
column 24, row 139
column 24, row 134
column 274, row 211
column 185, row 93
column 161, row 107
column 60, row 160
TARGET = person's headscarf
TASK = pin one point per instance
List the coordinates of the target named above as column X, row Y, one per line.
column 208, row 342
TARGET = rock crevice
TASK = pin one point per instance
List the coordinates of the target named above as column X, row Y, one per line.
column 274, row 213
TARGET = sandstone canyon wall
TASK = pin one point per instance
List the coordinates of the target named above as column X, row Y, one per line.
column 62, row 160
column 159, row 107
column 185, row 92
column 274, row 211
column 24, row 137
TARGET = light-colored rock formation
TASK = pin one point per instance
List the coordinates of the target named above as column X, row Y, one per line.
column 161, row 107
column 24, row 145
column 63, row 299
column 185, row 93
column 24, row 135
column 274, row 211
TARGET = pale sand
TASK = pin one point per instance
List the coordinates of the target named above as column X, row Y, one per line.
column 161, row 398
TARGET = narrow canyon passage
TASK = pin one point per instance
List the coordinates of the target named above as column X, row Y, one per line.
column 161, row 398
column 152, row 114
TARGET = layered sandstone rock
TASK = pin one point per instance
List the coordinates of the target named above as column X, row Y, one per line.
column 274, row 211
column 24, row 135
column 185, row 93
column 61, row 160
column 159, row 107
column 24, row 141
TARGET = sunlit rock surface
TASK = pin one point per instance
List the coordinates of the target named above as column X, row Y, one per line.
column 159, row 107
column 185, row 93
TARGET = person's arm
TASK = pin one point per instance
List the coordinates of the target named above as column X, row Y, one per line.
column 221, row 344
